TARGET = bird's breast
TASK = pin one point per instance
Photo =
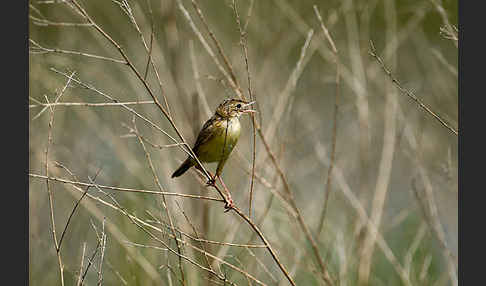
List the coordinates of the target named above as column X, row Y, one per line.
column 221, row 145
column 233, row 128
column 231, row 133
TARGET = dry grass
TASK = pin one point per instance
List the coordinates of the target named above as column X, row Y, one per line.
column 347, row 175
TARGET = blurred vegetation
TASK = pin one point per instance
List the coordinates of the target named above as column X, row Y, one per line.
column 387, row 147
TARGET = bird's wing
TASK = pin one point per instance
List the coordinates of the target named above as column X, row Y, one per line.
column 207, row 132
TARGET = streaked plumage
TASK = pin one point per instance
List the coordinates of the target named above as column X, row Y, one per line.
column 218, row 136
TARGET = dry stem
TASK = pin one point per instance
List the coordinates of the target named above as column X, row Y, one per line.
column 410, row 94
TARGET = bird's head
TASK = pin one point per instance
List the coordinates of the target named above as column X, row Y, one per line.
column 234, row 107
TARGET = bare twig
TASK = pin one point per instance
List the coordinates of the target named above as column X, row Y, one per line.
column 262, row 265
column 140, row 224
column 90, row 261
column 144, row 82
column 125, row 6
column 449, row 31
column 166, row 207
column 208, row 49
column 103, row 247
column 38, row 49
column 265, row 241
column 146, row 246
column 49, row 191
column 46, row 22
column 70, row 78
column 196, row 234
column 74, row 209
column 216, row 42
column 87, row 86
column 410, row 94
column 117, row 273
column 87, row 104
column 149, row 60
column 244, row 46
column 124, row 189
column 78, row 283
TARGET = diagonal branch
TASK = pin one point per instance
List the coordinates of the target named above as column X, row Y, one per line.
column 410, row 94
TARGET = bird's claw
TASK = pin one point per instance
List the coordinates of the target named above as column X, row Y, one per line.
column 211, row 182
column 229, row 205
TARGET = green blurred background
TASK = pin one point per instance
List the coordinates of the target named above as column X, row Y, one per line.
column 397, row 160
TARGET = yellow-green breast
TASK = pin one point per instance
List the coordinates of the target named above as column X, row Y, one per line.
column 212, row 150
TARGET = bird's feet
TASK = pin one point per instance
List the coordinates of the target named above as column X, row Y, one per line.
column 229, row 201
column 229, row 205
column 211, row 182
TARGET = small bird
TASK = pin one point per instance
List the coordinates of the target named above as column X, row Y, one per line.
column 217, row 139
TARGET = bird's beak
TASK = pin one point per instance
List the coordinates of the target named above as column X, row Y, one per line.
column 249, row 110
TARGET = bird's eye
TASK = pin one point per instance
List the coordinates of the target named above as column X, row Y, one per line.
column 238, row 105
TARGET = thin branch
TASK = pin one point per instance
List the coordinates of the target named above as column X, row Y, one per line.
column 139, row 76
column 49, row 191
column 244, row 47
column 410, row 94
column 196, row 234
column 265, row 241
column 198, row 239
column 125, row 5
column 216, row 42
column 144, row 82
column 87, row 104
column 38, row 49
column 103, row 247
column 140, row 223
column 262, row 265
column 90, row 262
column 81, row 266
column 248, row 16
column 74, row 209
column 152, row 24
column 208, row 48
column 46, row 22
column 169, row 217
column 326, row 32
column 449, row 31
column 91, row 205
column 70, row 78
column 87, row 86
column 146, row 246
column 124, row 189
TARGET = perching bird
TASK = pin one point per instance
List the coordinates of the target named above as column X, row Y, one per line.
column 217, row 138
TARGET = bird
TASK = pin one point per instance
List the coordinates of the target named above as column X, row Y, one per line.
column 217, row 139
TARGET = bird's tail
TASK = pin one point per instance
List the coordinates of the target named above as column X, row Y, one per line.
column 183, row 168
